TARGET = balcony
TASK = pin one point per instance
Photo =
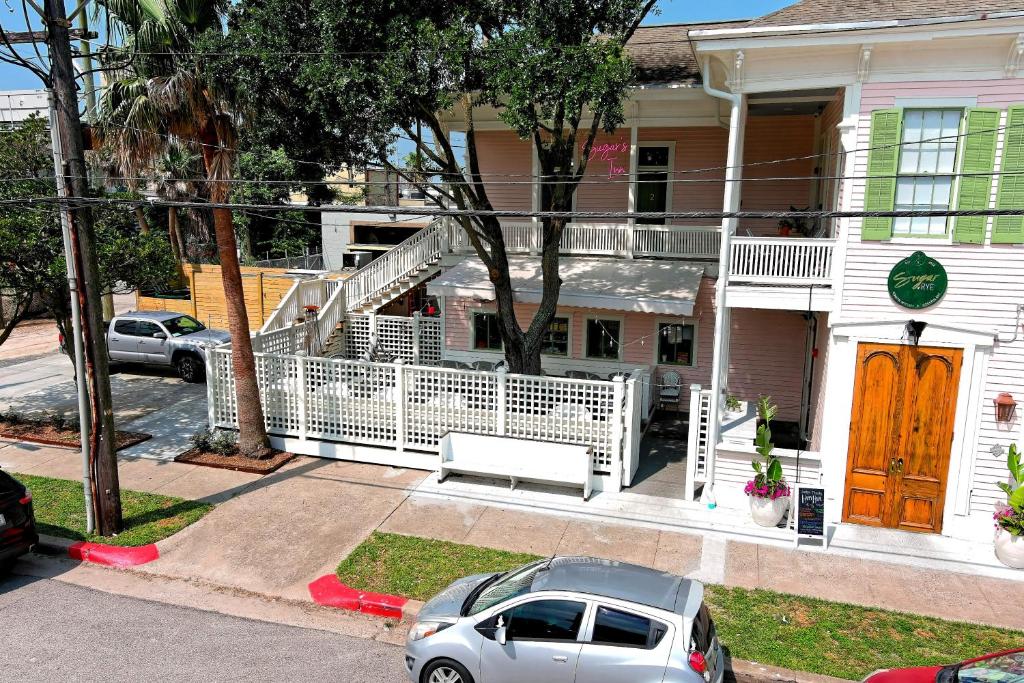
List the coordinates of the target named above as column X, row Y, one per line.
column 615, row 239
column 768, row 272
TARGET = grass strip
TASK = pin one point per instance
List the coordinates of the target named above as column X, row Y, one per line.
column 148, row 517
column 803, row 634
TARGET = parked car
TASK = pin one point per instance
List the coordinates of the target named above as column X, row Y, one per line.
column 1004, row 667
column 163, row 338
column 566, row 620
column 17, row 521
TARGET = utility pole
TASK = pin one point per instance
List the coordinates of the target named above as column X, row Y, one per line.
column 102, row 449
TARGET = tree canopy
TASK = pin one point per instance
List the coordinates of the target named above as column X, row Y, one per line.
column 32, row 264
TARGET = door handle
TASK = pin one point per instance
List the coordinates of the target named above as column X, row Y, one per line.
column 899, row 465
column 560, row 658
column 892, row 465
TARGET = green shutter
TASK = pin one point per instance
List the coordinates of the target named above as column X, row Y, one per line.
column 1010, row 229
column 883, row 161
column 979, row 156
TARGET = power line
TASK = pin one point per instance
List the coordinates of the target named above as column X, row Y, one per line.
column 78, row 202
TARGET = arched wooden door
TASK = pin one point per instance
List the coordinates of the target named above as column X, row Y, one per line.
column 901, row 434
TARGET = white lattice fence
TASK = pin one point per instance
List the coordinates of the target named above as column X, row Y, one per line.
column 357, row 335
column 395, row 337
column 698, row 447
column 412, row 407
column 431, row 340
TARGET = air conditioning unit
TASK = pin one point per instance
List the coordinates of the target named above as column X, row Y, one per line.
column 356, row 259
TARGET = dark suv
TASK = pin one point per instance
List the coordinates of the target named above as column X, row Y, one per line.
column 17, row 523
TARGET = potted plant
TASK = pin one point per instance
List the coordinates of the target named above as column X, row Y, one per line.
column 768, row 491
column 1009, row 541
column 733, row 404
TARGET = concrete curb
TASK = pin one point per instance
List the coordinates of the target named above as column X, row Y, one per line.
column 99, row 553
column 329, row 591
column 742, row 671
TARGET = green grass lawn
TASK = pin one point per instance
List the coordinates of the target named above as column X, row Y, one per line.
column 798, row 633
column 60, row 511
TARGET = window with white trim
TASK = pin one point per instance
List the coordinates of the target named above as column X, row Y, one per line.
column 926, row 170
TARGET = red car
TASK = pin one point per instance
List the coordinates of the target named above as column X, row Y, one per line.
column 1001, row 667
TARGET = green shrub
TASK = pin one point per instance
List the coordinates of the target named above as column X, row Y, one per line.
column 223, row 443
column 202, row 440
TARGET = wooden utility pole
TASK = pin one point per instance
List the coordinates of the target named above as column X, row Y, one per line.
column 102, row 449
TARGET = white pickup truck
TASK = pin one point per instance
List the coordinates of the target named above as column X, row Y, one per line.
column 163, row 338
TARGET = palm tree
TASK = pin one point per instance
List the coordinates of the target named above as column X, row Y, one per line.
column 158, row 95
column 174, row 181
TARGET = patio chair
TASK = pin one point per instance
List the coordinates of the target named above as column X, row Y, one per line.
column 485, row 365
column 576, row 374
column 669, row 391
column 593, row 375
column 613, row 375
column 450, row 364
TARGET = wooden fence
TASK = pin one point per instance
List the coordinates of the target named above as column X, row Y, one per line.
column 263, row 290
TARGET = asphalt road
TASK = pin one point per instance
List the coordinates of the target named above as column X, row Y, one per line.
column 52, row 631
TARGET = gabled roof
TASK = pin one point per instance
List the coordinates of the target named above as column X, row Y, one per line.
column 664, row 55
column 859, row 11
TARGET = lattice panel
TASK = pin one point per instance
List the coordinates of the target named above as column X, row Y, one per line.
column 357, row 335
column 566, row 411
column 441, row 400
column 431, row 341
column 700, row 419
column 222, row 390
column 394, row 337
column 351, row 401
column 280, row 393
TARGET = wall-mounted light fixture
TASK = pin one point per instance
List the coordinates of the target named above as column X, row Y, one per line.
column 1005, row 407
column 915, row 328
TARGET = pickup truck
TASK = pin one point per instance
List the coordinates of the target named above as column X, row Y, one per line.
column 163, row 338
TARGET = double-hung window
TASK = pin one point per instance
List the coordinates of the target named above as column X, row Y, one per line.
column 675, row 344
column 556, row 338
column 927, row 167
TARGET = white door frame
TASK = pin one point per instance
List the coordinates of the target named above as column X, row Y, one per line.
column 842, row 360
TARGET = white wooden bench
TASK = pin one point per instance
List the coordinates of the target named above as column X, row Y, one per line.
column 518, row 459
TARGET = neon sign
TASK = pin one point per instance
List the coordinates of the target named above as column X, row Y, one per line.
column 614, row 154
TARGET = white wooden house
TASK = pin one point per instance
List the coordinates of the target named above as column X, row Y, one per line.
column 825, row 104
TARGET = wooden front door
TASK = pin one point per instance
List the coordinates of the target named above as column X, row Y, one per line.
column 901, row 434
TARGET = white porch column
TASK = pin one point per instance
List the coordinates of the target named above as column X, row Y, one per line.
column 731, row 203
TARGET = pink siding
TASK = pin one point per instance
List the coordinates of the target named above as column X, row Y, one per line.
column 767, row 346
column 605, row 186
column 993, row 93
column 696, row 148
column 770, row 138
column 502, row 153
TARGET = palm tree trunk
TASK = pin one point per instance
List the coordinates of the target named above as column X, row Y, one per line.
column 252, row 432
column 172, row 233
column 140, row 216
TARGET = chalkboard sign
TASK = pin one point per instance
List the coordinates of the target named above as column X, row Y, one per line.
column 810, row 517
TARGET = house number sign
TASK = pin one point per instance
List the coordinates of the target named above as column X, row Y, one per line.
column 917, row 281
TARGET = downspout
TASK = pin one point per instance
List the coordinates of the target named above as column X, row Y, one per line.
column 731, row 203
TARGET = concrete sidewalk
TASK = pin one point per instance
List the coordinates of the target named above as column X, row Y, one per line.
column 274, row 534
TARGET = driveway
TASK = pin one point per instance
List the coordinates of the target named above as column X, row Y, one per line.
column 149, row 400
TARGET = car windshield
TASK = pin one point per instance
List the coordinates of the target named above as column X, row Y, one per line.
column 516, row 582
column 1008, row 668
column 182, row 325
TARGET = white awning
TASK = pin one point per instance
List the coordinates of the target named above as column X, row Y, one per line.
column 663, row 287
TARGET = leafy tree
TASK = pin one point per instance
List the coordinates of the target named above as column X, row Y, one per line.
column 159, row 95
column 341, row 79
column 32, row 264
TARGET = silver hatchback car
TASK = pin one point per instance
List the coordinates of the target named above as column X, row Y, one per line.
column 567, row 620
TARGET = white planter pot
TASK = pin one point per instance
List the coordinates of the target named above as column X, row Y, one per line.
column 1010, row 549
column 768, row 512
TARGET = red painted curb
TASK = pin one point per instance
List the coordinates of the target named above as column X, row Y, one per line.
column 330, row 592
column 112, row 555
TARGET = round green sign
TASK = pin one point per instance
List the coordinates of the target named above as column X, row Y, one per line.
column 917, row 281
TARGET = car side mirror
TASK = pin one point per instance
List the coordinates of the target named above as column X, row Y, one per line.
column 500, row 635
column 159, row 335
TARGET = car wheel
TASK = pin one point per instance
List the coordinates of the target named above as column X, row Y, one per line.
column 190, row 369
column 446, row 671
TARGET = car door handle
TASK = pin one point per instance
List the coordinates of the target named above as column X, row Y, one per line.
column 560, row 658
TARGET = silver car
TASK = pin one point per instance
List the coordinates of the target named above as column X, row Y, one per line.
column 566, row 620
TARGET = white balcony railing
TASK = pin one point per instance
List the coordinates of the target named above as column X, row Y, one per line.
column 615, row 239
column 781, row 260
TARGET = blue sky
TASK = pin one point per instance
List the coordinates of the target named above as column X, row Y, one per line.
column 672, row 11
